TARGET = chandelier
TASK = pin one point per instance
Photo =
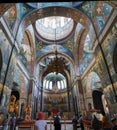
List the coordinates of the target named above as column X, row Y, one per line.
column 57, row 64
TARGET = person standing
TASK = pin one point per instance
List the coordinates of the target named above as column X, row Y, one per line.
column 105, row 122
column 12, row 121
column 81, row 122
column 6, row 121
column 40, row 124
column 75, row 122
column 57, row 124
column 96, row 122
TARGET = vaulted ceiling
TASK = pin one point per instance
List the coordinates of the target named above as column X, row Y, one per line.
column 71, row 49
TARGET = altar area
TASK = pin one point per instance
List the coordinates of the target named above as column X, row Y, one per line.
column 29, row 125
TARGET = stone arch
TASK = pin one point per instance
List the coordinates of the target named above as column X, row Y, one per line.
column 31, row 44
column 93, row 81
column 93, row 84
column 27, row 47
column 97, row 100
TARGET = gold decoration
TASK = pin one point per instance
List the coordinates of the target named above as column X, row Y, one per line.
column 12, row 104
column 28, row 113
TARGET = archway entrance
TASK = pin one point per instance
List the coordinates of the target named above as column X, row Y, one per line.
column 97, row 100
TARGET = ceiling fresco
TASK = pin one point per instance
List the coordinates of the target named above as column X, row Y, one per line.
column 47, row 4
column 54, row 28
column 52, row 48
column 11, row 16
column 28, row 13
column 22, row 10
column 98, row 11
column 5, row 49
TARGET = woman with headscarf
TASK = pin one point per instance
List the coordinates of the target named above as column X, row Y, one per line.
column 40, row 124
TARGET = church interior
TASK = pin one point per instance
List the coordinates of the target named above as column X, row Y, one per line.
column 58, row 57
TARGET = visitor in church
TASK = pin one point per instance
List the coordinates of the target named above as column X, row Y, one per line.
column 12, row 121
column 57, row 124
column 80, row 120
column 105, row 122
column 40, row 124
column 74, row 122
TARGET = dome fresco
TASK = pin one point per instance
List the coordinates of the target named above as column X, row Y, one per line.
column 55, row 27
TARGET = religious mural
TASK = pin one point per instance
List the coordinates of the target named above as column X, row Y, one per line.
column 110, row 96
column 10, row 17
column 22, row 81
column 98, row 75
column 100, row 22
column 87, row 54
column 39, row 45
column 99, row 11
column 108, row 47
column 78, row 28
column 88, row 8
column 27, row 51
column 52, row 48
column 6, row 50
column 16, row 12
column 8, row 82
column 92, row 35
column 11, row 70
column 103, row 11
column 69, row 44
column 22, row 10
column 89, row 83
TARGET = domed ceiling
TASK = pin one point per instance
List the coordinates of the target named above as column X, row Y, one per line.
column 54, row 28
column 41, row 29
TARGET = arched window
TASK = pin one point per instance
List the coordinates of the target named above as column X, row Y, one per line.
column 97, row 100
